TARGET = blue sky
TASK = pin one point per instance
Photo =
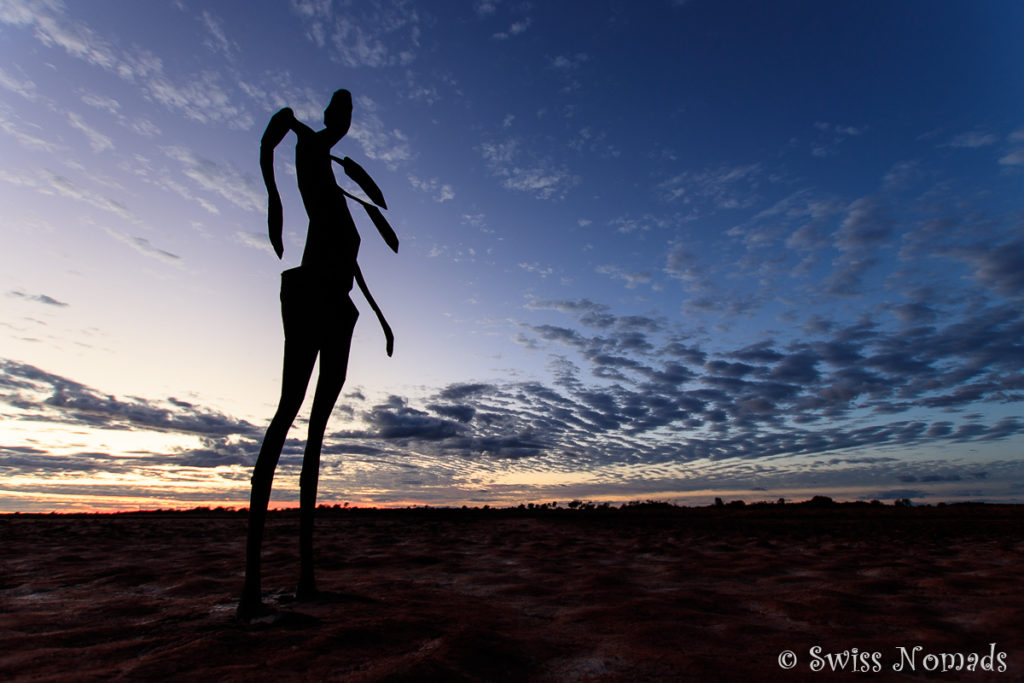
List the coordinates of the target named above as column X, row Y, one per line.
column 670, row 250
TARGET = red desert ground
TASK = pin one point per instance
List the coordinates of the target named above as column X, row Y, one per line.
column 646, row 592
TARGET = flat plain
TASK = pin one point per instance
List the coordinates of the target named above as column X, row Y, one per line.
column 650, row 592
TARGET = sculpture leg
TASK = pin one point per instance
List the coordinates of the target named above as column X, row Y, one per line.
column 333, row 368
column 299, row 357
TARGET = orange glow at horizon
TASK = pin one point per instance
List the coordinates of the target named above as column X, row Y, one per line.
column 56, row 503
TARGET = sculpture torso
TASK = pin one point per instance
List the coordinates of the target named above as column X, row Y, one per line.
column 332, row 241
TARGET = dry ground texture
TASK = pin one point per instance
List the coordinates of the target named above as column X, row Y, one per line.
column 646, row 593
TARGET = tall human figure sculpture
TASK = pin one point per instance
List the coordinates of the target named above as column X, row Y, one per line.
column 318, row 318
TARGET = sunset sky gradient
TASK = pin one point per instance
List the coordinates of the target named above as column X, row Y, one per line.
column 670, row 249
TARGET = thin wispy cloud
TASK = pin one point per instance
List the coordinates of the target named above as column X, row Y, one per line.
column 632, row 279
column 730, row 187
column 97, row 140
column 26, row 88
column 973, row 139
column 26, row 134
column 39, row 298
column 541, row 177
column 102, row 102
column 61, row 185
column 1014, row 158
column 515, row 28
column 390, row 146
column 217, row 40
column 200, row 97
column 441, row 192
column 145, row 247
column 376, row 34
column 218, row 178
column 831, row 136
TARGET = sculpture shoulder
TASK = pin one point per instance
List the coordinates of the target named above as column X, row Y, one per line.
column 280, row 123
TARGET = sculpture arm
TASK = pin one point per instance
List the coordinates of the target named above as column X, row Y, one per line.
column 388, row 336
column 363, row 180
column 280, row 123
column 356, row 172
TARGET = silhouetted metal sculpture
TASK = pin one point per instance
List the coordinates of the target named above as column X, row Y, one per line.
column 318, row 318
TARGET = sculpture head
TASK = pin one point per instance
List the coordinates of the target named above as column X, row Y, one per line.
column 338, row 115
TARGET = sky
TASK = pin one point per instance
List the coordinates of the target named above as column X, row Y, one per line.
column 670, row 250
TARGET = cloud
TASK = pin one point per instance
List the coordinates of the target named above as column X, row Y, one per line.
column 867, row 225
column 145, row 247
column 726, row 303
column 97, row 141
column 373, row 34
column 224, row 180
column 357, row 47
column 199, row 97
column 216, row 39
column 839, row 128
column 645, row 223
column 500, row 152
column 999, row 267
column 312, row 8
column 515, row 29
column 40, row 395
column 168, row 183
column 724, row 187
column 760, row 352
column 112, row 107
column 831, row 135
column 39, row 298
column 102, row 102
column 915, row 312
column 592, row 416
column 441, row 192
column 462, row 391
column 318, row 14
column 17, row 129
column 519, row 171
column 566, row 66
column 1014, row 158
column 543, row 271
column 276, row 90
column 973, row 140
column 633, row 279
column 543, row 181
column 65, row 187
column 254, row 240
column 902, row 174
column 801, row 221
column 396, row 420
column 459, row 413
column 681, row 263
column 26, row 88
column 569, row 62
column 378, row 142
column 866, row 228
column 589, row 140
column 144, row 127
column 853, row 368
column 485, row 8
column 49, row 184
column 52, row 29
column 654, row 398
